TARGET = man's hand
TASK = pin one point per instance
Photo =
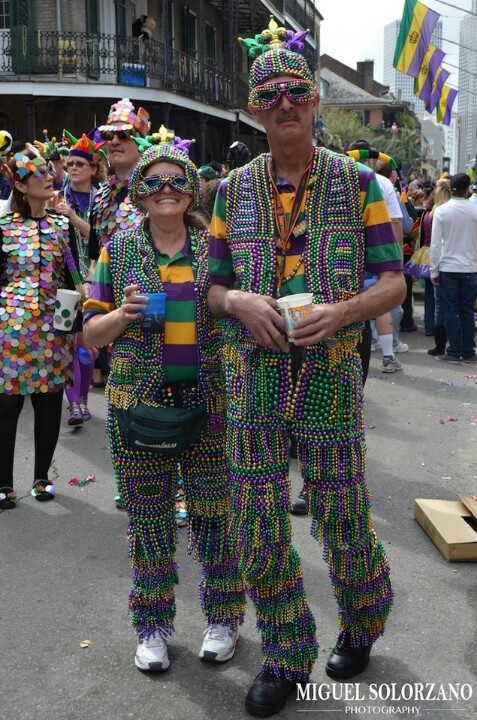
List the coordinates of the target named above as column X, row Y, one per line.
column 320, row 324
column 260, row 316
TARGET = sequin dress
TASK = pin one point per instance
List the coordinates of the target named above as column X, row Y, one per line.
column 33, row 356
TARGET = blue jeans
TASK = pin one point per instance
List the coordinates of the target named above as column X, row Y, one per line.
column 429, row 307
column 458, row 295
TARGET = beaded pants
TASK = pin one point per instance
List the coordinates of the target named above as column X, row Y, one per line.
column 147, row 483
column 323, row 409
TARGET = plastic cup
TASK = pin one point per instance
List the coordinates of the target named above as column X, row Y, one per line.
column 153, row 317
column 294, row 308
column 66, row 307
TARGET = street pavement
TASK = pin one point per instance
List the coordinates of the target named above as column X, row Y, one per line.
column 65, row 578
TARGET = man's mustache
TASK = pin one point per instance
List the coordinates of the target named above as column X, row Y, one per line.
column 288, row 116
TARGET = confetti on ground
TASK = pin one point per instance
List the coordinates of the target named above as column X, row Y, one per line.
column 85, row 643
column 82, row 483
column 447, row 382
column 470, row 377
column 446, row 420
column 370, row 427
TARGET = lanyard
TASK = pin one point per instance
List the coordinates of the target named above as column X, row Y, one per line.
column 284, row 227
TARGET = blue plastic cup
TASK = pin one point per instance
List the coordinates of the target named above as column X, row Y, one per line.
column 154, row 316
column 84, row 358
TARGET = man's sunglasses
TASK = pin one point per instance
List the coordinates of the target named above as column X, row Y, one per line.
column 298, row 92
column 154, row 183
column 120, row 134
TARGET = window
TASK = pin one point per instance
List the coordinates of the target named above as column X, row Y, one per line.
column 4, row 15
column 190, row 32
column 210, row 44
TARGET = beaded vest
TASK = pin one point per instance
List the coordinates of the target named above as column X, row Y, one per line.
column 137, row 358
column 110, row 216
column 333, row 257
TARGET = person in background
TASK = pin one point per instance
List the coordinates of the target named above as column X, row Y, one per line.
column 238, row 155
column 473, row 197
column 177, row 366
column 286, row 223
column 54, row 153
column 112, row 210
column 454, row 269
column 6, row 142
column 83, row 164
column 35, row 360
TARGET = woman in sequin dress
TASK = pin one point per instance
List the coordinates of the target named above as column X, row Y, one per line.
column 35, row 359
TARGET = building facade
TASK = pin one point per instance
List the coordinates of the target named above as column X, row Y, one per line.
column 467, row 98
column 63, row 63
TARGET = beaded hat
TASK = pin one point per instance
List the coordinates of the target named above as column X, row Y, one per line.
column 123, row 116
column 164, row 145
column 87, row 146
column 277, row 52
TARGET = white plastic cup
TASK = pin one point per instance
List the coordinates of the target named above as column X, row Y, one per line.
column 66, row 307
column 294, row 308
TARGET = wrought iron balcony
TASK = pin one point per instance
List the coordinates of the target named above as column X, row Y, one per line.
column 77, row 57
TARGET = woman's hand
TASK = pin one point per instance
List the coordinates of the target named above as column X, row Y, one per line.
column 92, row 351
column 133, row 304
column 63, row 208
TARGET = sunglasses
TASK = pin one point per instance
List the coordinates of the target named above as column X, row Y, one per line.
column 154, row 183
column 298, row 92
column 120, row 134
column 76, row 163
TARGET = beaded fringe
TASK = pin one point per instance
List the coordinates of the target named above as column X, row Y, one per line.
column 222, row 594
column 284, row 619
column 340, row 504
column 151, row 600
column 207, row 537
column 362, row 588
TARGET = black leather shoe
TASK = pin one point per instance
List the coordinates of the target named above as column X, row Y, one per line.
column 346, row 661
column 300, row 504
column 268, row 694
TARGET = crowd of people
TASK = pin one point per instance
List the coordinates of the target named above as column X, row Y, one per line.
column 215, row 399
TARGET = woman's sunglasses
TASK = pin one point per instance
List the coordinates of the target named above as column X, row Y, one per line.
column 76, row 163
column 121, row 134
column 298, row 92
column 154, row 183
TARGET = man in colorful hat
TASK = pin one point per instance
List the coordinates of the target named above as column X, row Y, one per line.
column 300, row 219
column 112, row 210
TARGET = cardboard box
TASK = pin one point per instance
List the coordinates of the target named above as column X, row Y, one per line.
column 451, row 525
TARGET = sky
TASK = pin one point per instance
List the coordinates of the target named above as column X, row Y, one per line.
column 357, row 33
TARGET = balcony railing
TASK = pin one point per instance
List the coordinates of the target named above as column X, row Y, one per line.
column 51, row 56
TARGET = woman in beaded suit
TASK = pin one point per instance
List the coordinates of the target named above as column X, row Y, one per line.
column 35, row 360
column 177, row 366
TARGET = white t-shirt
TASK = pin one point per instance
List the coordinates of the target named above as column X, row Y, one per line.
column 390, row 197
column 454, row 237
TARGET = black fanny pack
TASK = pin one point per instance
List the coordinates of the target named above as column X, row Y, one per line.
column 162, row 430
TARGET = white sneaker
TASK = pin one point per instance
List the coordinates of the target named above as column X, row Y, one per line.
column 375, row 346
column 219, row 644
column 151, row 655
column 391, row 365
column 401, row 347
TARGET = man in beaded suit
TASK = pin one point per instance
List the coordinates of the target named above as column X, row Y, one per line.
column 300, row 219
